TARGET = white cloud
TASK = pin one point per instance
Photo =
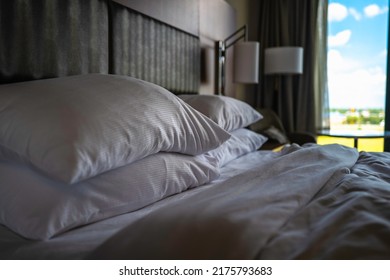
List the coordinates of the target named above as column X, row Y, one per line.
column 383, row 54
column 356, row 15
column 339, row 64
column 337, row 12
column 340, row 39
column 373, row 10
column 351, row 85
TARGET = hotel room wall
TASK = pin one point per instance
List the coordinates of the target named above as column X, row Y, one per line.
column 217, row 21
column 182, row 14
column 247, row 14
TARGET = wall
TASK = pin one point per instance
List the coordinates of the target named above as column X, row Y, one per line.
column 183, row 14
column 217, row 21
column 246, row 13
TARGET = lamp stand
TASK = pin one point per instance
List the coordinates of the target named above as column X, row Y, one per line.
column 245, row 60
column 276, row 93
column 220, row 67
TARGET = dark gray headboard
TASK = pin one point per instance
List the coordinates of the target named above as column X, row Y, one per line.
column 52, row 38
column 153, row 51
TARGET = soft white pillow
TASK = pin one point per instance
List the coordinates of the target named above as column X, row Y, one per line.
column 228, row 112
column 76, row 127
column 241, row 142
column 38, row 207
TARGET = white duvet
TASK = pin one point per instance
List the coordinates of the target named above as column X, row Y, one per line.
column 313, row 202
column 297, row 204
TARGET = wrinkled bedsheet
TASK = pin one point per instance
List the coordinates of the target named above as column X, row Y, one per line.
column 349, row 219
column 313, row 202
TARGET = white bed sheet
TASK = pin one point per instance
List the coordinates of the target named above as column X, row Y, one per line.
column 78, row 243
column 317, row 202
column 239, row 217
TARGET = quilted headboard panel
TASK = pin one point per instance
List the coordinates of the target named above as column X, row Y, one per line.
column 153, row 51
column 51, row 38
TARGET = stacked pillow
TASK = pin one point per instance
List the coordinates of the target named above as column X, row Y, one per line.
column 76, row 127
column 234, row 116
column 75, row 150
column 243, row 141
column 229, row 113
column 39, row 207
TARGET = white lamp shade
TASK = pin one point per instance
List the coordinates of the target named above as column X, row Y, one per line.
column 246, row 62
column 283, row 60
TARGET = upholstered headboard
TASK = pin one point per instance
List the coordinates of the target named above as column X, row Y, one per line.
column 52, row 38
column 153, row 51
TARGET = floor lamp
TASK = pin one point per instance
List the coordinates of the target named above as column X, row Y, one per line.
column 282, row 61
column 246, row 60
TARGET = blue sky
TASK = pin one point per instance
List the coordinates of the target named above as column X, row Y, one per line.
column 357, row 50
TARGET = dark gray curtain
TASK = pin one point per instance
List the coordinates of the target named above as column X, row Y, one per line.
column 301, row 100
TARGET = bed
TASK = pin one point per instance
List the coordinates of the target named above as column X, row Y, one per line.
column 111, row 156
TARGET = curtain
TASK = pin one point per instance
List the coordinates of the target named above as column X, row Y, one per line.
column 301, row 101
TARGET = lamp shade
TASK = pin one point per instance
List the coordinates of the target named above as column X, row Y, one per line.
column 283, row 60
column 246, row 62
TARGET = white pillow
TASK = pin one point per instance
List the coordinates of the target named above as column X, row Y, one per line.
column 38, row 207
column 241, row 142
column 228, row 112
column 76, row 127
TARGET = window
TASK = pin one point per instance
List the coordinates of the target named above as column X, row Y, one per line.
column 357, row 59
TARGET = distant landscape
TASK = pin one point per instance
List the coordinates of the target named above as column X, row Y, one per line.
column 357, row 117
column 355, row 120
